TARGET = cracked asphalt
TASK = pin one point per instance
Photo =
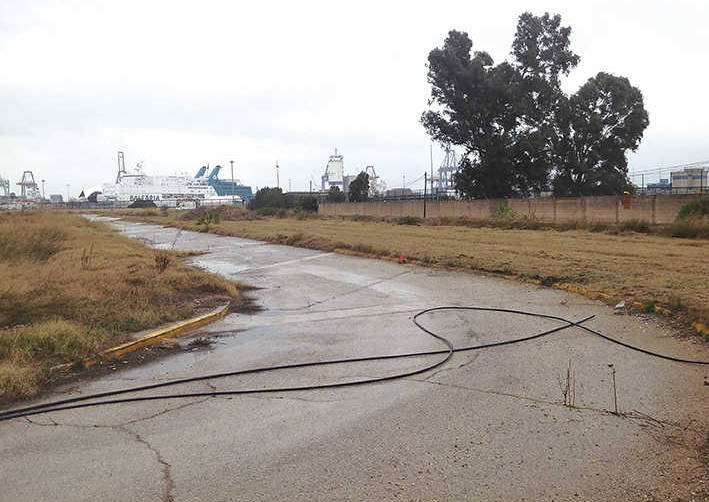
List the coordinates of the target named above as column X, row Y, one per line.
column 489, row 425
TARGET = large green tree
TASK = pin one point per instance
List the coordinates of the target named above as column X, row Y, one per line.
column 505, row 117
column 594, row 129
column 359, row 188
column 269, row 197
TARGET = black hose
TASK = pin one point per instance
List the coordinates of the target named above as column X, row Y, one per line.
column 66, row 404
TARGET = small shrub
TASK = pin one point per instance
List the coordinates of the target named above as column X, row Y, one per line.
column 690, row 228
column 360, row 217
column 200, row 342
column 409, row 220
column 504, row 211
column 696, row 207
column 640, row 226
column 141, row 204
column 569, row 225
column 266, row 211
column 86, row 257
column 598, row 227
column 163, row 260
column 650, row 307
column 309, row 204
column 211, row 218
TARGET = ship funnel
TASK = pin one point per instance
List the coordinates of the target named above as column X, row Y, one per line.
column 215, row 172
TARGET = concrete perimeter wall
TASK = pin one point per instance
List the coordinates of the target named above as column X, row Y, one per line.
column 655, row 209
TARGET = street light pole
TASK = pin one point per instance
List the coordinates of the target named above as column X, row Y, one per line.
column 425, row 182
column 233, row 183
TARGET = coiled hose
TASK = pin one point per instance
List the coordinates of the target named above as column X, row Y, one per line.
column 81, row 401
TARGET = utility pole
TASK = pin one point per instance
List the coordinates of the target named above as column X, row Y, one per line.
column 233, row 183
column 311, row 186
column 431, row 170
column 278, row 179
column 425, row 182
column 67, row 191
column 43, row 196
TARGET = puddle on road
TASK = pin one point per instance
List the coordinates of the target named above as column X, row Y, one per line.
column 224, row 268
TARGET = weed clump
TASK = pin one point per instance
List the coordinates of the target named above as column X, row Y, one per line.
column 694, row 208
column 210, row 218
column 409, row 220
column 162, row 260
column 692, row 220
column 639, row 226
column 650, row 307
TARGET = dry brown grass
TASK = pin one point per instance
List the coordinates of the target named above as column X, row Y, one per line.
column 637, row 267
column 70, row 287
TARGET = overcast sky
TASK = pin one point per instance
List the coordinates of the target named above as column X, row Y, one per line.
column 181, row 84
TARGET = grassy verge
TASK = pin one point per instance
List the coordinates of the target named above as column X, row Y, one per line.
column 70, row 288
column 650, row 269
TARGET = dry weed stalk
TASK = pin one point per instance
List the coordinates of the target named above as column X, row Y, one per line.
column 568, row 387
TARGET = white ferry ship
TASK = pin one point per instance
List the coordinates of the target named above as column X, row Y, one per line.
column 175, row 190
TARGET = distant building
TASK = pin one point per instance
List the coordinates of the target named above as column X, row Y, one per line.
column 56, row 198
column 664, row 186
column 399, row 192
column 334, row 173
column 689, row 180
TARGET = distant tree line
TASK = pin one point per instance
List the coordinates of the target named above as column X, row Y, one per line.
column 274, row 198
column 358, row 190
column 268, row 198
column 519, row 132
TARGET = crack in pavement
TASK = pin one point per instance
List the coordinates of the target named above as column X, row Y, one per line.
column 167, row 478
column 165, row 466
column 293, row 398
column 163, row 412
column 350, row 292
column 54, row 423
column 633, row 415
column 473, row 357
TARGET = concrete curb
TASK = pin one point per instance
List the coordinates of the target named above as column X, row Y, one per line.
column 152, row 338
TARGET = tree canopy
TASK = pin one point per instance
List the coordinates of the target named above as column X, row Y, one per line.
column 518, row 130
column 595, row 127
column 359, row 188
column 335, row 194
column 269, row 197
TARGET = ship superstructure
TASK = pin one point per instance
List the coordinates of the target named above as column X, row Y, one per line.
column 163, row 190
column 334, row 173
column 225, row 188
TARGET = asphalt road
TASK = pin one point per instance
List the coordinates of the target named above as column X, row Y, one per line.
column 489, row 425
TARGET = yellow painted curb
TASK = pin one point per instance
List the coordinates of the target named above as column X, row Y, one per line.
column 159, row 335
column 151, row 338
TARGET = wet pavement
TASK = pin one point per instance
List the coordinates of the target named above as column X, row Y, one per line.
column 488, row 425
